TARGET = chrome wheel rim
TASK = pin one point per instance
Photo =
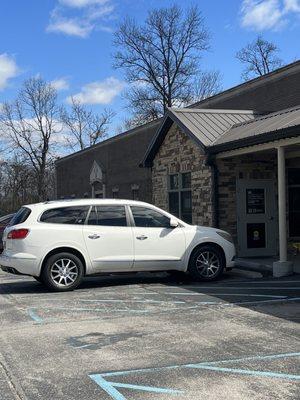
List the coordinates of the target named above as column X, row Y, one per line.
column 208, row 264
column 64, row 272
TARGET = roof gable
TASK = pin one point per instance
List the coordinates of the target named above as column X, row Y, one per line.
column 204, row 126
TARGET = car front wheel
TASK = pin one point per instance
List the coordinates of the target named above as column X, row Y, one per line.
column 207, row 263
column 63, row 272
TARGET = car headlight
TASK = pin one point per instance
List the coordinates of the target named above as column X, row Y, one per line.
column 225, row 235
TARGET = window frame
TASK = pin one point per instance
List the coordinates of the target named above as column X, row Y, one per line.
column 179, row 191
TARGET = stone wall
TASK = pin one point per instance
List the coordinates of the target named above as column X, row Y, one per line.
column 178, row 153
column 249, row 166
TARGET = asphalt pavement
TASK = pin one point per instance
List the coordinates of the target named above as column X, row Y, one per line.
column 151, row 336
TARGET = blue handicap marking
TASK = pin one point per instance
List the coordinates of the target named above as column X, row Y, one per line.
column 214, row 366
column 33, row 315
column 110, row 387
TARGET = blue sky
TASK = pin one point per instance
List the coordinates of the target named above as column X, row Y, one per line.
column 69, row 42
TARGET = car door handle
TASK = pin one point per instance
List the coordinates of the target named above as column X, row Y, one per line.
column 94, row 236
column 142, row 237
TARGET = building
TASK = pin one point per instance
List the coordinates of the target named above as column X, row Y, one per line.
column 109, row 168
column 230, row 161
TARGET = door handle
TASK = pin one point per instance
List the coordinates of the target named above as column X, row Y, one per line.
column 142, row 237
column 94, row 236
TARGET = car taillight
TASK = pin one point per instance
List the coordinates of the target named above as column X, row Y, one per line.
column 18, row 234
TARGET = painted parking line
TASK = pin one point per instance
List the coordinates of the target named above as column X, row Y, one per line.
column 111, row 387
column 265, row 374
column 33, row 312
column 132, row 301
column 239, row 287
column 226, row 294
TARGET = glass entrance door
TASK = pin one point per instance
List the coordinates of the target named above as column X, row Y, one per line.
column 256, row 218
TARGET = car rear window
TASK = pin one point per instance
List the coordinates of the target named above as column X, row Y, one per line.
column 74, row 215
column 20, row 217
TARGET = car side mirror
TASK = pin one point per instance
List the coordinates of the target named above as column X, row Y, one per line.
column 173, row 223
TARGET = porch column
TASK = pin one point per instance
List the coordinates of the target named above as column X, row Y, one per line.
column 282, row 204
column 282, row 267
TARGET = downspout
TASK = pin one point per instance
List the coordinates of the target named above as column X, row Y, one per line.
column 211, row 162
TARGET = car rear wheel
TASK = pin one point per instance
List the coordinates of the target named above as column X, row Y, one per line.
column 63, row 272
column 207, row 263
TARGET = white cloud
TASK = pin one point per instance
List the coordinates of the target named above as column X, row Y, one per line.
column 60, row 84
column 8, row 69
column 69, row 26
column 99, row 92
column 262, row 15
column 82, row 3
column 292, row 5
column 80, row 17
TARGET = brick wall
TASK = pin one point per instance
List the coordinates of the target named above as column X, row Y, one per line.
column 179, row 153
column 119, row 158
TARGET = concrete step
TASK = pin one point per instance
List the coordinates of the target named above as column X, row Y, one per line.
column 257, row 266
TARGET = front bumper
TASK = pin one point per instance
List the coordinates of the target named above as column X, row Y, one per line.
column 19, row 263
column 230, row 256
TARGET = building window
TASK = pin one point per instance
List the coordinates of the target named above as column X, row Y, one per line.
column 115, row 192
column 180, row 196
column 135, row 192
column 294, row 201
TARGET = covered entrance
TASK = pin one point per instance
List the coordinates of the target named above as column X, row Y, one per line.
column 267, row 200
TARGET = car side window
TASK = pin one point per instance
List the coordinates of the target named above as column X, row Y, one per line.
column 108, row 216
column 148, row 218
column 74, row 215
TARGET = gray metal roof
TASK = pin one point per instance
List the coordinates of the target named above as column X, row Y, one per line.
column 273, row 122
column 204, row 126
column 209, row 125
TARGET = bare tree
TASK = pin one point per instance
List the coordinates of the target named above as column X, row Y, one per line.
column 206, row 84
column 30, row 124
column 17, row 185
column 84, row 127
column 160, row 58
column 259, row 58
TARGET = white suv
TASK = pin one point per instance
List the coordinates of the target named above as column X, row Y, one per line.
column 60, row 242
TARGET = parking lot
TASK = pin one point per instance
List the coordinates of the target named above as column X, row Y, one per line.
column 151, row 337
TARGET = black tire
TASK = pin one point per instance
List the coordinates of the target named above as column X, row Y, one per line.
column 199, row 269
column 66, row 266
column 37, row 278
